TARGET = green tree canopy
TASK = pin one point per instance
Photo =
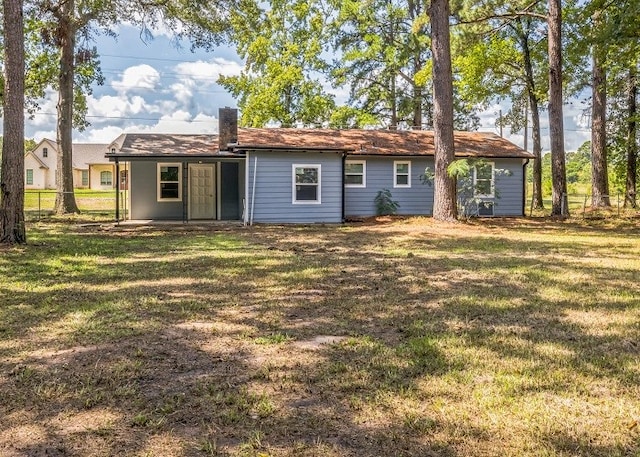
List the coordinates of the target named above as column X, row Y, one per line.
column 282, row 43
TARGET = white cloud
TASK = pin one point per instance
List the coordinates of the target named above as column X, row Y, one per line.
column 99, row 135
column 177, row 122
column 137, row 78
column 41, row 134
column 47, row 112
column 110, row 109
column 201, row 77
column 180, row 122
column 208, row 72
column 183, row 92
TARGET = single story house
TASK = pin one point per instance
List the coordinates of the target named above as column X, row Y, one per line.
column 91, row 169
column 283, row 175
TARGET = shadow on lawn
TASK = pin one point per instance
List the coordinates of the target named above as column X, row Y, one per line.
column 129, row 377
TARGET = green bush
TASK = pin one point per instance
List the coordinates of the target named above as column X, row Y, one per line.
column 385, row 204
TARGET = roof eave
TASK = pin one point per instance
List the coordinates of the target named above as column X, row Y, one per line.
column 119, row 156
column 256, row 147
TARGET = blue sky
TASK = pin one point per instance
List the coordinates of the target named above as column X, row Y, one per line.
column 156, row 86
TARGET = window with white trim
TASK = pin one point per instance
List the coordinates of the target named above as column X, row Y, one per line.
column 402, row 173
column 169, row 182
column 29, row 177
column 306, row 184
column 106, row 178
column 85, row 177
column 483, row 180
column 355, row 173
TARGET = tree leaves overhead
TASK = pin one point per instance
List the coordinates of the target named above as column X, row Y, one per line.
column 490, row 54
column 283, row 45
column 383, row 49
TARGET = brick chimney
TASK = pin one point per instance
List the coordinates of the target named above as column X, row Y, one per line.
column 228, row 127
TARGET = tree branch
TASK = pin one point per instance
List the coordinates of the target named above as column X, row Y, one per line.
column 514, row 15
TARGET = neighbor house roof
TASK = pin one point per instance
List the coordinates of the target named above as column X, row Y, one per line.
column 37, row 159
column 84, row 154
column 355, row 142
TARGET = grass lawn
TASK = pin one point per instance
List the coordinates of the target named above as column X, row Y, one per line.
column 401, row 338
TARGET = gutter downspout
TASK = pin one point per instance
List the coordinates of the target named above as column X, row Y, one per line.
column 344, row 159
column 245, row 208
column 524, row 187
column 253, row 190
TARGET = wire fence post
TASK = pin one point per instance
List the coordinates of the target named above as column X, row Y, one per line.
column 533, row 197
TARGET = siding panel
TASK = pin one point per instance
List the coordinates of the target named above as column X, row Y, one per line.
column 414, row 200
column 418, row 199
column 507, row 200
column 274, row 187
column 509, row 197
column 144, row 185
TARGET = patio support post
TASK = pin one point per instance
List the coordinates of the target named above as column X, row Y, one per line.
column 117, row 181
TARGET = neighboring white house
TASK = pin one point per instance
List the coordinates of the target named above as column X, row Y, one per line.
column 91, row 170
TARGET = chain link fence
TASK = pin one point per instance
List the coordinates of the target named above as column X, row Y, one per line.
column 581, row 205
column 39, row 204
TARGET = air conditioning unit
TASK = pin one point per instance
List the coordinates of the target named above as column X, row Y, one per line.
column 485, row 209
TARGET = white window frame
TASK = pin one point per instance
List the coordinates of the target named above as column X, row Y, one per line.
column 492, row 181
column 159, row 186
column 26, row 178
column 83, row 174
column 364, row 172
column 294, row 184
column 102, row 183
column 395, row 173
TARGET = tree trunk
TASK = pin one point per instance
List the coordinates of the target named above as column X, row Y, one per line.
column 535, row 124
column 632, row 145
column 599, row 177
column 12, row 228
column 65, row 198
column 414, row 10
column 444, row 205
column 394, row 104
column 537, row 151
column 417, row 107
column 559, row 203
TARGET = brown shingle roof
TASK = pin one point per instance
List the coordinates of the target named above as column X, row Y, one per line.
column 356, row 142
column 378, row 142
column 160, row 144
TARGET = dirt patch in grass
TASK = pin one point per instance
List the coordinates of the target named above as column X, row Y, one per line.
column 397, row 337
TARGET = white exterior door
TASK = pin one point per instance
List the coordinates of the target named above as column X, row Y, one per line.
column 202, row 202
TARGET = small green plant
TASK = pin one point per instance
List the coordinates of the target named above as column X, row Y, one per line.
column 385, row 204
column 418, row 422
column 140, row 420
column 209, row 447
column 274, row 338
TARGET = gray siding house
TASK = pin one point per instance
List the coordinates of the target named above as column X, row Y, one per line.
column 306, row 175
